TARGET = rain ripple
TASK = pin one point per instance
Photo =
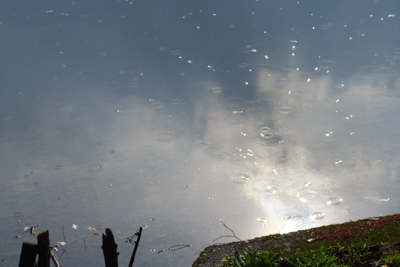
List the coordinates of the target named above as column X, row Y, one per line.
column 317, row 215
column 267, row 152
column 307, row 195
column 266, row 133
column 268, row 185
column 241, row 178
column 334, row 201
column 327, row 64
column 164, row 137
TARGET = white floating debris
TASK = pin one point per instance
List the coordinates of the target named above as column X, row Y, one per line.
column 313, row 239
column 61, row 243
column 385, row 199
column 75, row 226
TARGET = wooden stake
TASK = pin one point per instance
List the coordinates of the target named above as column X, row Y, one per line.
column 28, row 254
column 110, row 249
column 43, row 249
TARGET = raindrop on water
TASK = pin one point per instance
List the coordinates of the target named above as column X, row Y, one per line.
column 266, row 133
column 317, row 215
column 216, row 90
column 267, row 152
column 326, row 64
column 241, row 178
column 262, row 220
column 165, row 137
column 334, row 201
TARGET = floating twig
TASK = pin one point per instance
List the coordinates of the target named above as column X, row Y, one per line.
column 53, row 256
column 179, row 246
column 66, row 245
column 28, row 229
column 227, row 235
column 282, row 226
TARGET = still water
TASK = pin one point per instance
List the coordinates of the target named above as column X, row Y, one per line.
column 273, row 116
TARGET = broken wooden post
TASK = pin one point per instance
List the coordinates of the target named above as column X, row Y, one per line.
column 28, row 254
column 110, row 249
column 43, row 249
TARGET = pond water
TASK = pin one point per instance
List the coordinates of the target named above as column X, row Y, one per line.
column 267, row 116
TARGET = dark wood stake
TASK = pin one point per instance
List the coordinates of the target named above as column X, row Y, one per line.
column 28, row 254
column 136, row 246
column 110, row 249
column 43, row 249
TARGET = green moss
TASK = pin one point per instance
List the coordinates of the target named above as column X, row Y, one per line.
column 288, row 245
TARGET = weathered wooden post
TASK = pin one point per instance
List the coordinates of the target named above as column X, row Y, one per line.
column 28, row 254
column 43, row 249
column 110, row 249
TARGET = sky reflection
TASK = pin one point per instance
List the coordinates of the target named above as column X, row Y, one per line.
column 270, row 117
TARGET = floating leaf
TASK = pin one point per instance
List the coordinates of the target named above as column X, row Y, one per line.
column 92, row 229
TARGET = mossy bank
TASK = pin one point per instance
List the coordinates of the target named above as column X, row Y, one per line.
column 372, row 232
